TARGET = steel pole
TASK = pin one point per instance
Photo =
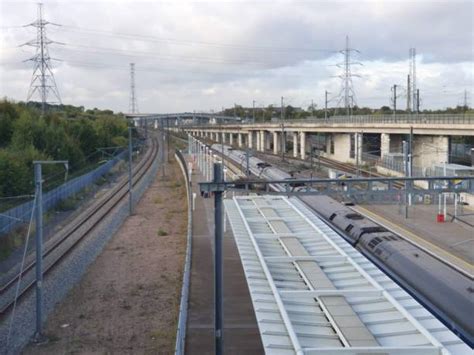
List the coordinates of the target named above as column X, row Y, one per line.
column 39, row 250
column 218, row 274
column 405, row 159
column 410, row 161
column 130, row 157
column 325, row 105
column 356, row 144
column 253, row 111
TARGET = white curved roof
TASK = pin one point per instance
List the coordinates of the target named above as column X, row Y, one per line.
column 313, row 293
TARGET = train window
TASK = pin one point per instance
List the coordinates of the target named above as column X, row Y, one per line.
column 354, row 216
column 332, row 216
column 376, row 229
column 349, row 228
column 373, row 243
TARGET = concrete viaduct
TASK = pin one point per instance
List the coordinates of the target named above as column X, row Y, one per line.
column 346, row 139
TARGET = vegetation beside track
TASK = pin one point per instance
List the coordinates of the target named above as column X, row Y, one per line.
column 64, row 133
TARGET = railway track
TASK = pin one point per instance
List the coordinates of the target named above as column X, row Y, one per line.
column 57, row 248
column 236, row 167
column 323, row 161
column 452, row 320
column 329, row 163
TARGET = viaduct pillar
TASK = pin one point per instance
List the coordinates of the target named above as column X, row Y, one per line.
column 303, row 145
column 295, row 144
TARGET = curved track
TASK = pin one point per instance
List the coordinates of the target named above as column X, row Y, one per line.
column 58, row 247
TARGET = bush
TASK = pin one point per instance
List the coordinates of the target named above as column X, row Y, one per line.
column 162, row 233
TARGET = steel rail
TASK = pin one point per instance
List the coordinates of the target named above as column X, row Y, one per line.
column 435, row 256
column 330, row 163
column 112, row 199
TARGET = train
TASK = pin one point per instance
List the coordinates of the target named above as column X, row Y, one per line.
column 443, row 290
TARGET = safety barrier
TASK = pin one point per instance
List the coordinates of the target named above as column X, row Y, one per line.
column 183, row 306
column 16, row 216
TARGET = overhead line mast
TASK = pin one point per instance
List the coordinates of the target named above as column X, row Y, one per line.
column 413, row 90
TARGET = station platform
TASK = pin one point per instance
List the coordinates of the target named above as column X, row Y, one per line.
column 451, row 241
column 241, row 334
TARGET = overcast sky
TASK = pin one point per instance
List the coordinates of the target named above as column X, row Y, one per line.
column 204, row 55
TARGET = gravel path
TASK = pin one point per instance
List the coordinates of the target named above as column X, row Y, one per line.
column 127, row 301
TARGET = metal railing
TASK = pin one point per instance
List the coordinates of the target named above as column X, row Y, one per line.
column 422, row 118
column 183, row 306
column 391, row 163
column 398, row 118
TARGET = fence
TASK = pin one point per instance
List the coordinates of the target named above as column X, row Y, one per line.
column 183, row 307
column 391, row 163
column 16, row 216
column 467, row 118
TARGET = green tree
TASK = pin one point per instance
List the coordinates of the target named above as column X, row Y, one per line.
column 8, row 114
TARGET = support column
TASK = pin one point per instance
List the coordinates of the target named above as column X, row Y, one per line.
column 275, row 142
column 303, row 145
column 231, row 138
column 430, row 150
column 268, row 145
column 384, row 144
column 223, row 137
column 295, row 144
column 249, row 139
column 239, row 139
column 262, row 141
column 359, row 137
column 258, row 141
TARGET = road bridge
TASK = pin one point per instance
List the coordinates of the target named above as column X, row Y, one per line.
column 184, row 118
column 355, row 139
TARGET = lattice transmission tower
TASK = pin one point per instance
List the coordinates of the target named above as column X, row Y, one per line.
column 133, row 105
column 347, row 93
column 42, row 80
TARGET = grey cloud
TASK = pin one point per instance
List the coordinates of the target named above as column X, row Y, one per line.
column 182, row 70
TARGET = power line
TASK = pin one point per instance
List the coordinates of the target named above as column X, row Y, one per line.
column 174, row 41
column 42, row 81
column 151, row 54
